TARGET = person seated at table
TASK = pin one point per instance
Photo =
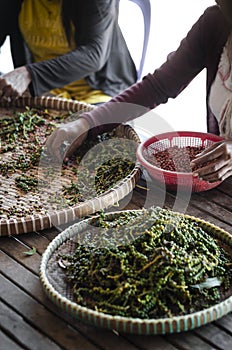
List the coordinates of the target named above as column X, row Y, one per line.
column 67, row 48
column 208, row 45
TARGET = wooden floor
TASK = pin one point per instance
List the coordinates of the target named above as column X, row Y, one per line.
column 29, row 320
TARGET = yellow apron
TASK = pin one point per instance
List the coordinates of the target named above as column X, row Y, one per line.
column 41, row 26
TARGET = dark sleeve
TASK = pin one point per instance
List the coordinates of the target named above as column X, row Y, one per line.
column 94, row 23
column 4, row 31
column 8, row 18
column 166, row 82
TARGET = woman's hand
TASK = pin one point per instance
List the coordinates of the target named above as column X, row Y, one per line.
column 219, row 162
column 67, row 138
column 14, row 83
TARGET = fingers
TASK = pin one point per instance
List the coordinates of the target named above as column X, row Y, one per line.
column 211, row 153
column 214, row 171
column 60, row 148
column 219, row 175
column 7, row 92
column 70, row 149
column 13, row 84
column 57, row 143
column 214, row 163
column 227, row 174
column 2, row 84
column 211, row 172
column 67, row 138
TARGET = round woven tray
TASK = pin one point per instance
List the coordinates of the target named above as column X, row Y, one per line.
column 39, row 221
column 53, row 280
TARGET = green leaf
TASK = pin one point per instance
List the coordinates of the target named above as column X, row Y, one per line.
column 31, row 251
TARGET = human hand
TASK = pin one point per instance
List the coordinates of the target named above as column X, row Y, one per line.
column 216, row 162
column 67, row 138
column 14, row 83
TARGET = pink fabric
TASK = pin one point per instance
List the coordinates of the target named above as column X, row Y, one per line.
column 220, row 99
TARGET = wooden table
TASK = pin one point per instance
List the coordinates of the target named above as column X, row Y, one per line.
column 29, row 320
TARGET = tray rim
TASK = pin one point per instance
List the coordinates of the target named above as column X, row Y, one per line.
column 131, row 325
column 39, row 222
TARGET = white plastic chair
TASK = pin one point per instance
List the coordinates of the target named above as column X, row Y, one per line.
column 145, row 7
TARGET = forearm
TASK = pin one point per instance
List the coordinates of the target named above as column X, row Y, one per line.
column 63, row 70
column 130, row 104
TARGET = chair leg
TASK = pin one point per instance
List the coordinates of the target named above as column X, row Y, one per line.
column 145, row 7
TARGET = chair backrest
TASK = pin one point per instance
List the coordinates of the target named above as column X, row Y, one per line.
column 145, row 7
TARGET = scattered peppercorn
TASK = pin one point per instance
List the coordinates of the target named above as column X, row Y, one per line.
column 176, row 158
column 43, row 187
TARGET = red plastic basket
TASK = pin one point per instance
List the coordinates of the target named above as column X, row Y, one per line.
column 176, row 180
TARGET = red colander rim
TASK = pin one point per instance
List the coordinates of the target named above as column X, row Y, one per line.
column 170, row 135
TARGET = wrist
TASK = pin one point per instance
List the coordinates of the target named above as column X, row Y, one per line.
column 84, row 123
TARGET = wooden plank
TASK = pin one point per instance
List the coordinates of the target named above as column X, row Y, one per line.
column 22, row 277
column 18, row 268
column 50, row 234
column 226, row 186
column 151, row 342
column 214, row 210
column 201, row 214
column 189, row 341
column 111, row 340
column 195, row 206
column 40, row 318
column 215, row 336
column 158, row 193
column 225, row 323
column 221, row 199
column 30, row 283
column 39, row 240
column 7, row 343
column 140, row 194
column 17, row 249
column 22, row 332
column 36, row 240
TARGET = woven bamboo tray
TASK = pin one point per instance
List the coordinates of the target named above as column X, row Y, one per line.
column 54, row 283
column 43, row 219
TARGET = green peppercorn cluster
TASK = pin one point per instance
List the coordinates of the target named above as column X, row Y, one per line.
column 147, row 264
column 102, row 169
